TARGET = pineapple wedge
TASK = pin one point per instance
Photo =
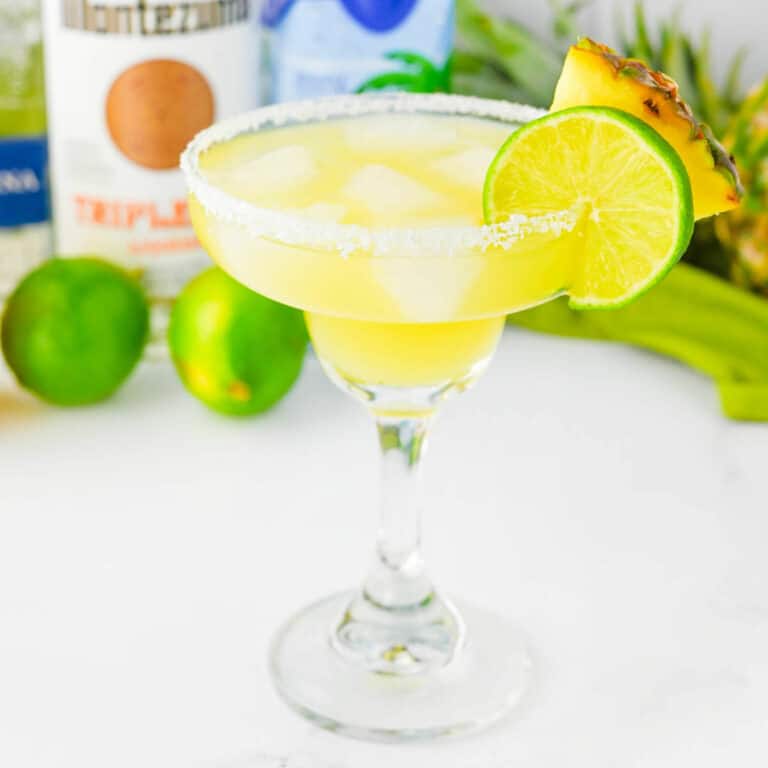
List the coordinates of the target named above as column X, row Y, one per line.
column 594, row 74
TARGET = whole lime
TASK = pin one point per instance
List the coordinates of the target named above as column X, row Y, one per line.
column 74, row 329
column 237, row 351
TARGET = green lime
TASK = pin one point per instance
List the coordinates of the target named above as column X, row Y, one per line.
column 74, row 329
column 237, row 351
column 626, row 184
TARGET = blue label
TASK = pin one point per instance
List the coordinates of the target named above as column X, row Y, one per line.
column 375, row 15
column 379, row 15
column 23, row 181
column 273, row 11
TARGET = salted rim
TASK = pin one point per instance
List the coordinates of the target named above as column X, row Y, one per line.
column 292, row 228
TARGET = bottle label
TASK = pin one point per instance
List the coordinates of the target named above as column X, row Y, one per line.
column 147, row 18
column 376, row 15
column 23, row 181
column 163, row 72
column 322, row 47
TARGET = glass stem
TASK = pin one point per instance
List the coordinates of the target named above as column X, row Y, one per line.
column 398, row 579
column 397, row 624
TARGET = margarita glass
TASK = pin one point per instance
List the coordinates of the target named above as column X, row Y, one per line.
column 366, row 212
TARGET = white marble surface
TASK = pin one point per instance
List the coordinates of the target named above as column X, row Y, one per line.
column 148, row 549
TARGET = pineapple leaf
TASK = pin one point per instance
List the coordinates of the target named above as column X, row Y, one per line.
column 688, row 79
column 529, row 62
column 743, row 121
column 758, row 153
column 669, row 49
column 477, row 76
column 732, row 93
column 688, row 63
column 680, row 64
column 642, row 48
column 709, row 104
column 670, row 54
column 565, row 19
column 621, row 31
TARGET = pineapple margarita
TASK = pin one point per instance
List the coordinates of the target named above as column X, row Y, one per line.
column 407, row 227
column 382, row 241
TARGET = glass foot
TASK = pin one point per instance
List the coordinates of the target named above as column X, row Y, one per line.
column 485, row 681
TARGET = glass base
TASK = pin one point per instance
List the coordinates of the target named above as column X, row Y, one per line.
column 486, row 681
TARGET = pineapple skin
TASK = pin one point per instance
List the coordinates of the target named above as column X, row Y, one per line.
column 594, row 74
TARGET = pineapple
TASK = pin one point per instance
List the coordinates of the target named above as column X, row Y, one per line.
column 688, row 63
column 744, row 232
column 595, row 74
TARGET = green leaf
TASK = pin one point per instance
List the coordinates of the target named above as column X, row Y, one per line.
column 699, row 319
column 669, row 50
column 689, row 64
column 476, row 76
column 416, row 60
column 709, row 106
column 742, row 124
column 421, row 75
column 625, row 45
column 565, row 19
column 690, row 75
column 396, row 80
column 678, row 61
column 732, row 93
column 432, row 78
column 758, row 152
column 530, row 63
column 642, row 48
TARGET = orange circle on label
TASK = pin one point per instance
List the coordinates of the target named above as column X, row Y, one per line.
column 155, row 108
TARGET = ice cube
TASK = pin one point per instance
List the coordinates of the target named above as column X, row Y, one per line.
column 467, row 168
column 426, row 289
column 280, row 170
column 399, row 133
column 385, row 192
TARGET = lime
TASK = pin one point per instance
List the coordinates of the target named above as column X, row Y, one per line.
column 237, row 351
column 74, row 329
column 626, row 184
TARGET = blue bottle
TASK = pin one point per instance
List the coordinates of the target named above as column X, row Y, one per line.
column 320, row 47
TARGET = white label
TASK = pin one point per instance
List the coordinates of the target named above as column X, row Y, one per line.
column 122, row 106
column 156, row 17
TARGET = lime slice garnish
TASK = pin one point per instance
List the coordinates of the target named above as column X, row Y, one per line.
column 626, row 184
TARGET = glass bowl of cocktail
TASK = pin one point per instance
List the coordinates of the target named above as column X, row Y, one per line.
column 407, row 227
column 369, row 210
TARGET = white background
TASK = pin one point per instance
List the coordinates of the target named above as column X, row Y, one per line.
column 593, row 493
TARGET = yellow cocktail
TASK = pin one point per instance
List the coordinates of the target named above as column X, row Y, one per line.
column 367, row 214
column 373, row 224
